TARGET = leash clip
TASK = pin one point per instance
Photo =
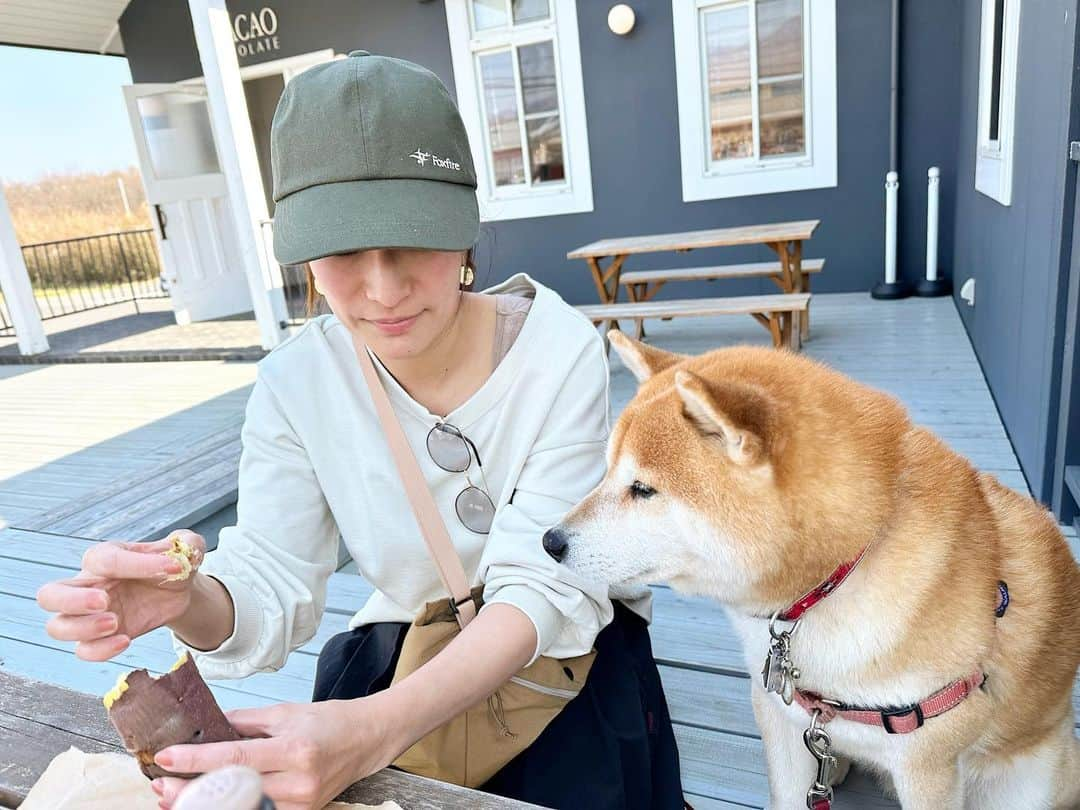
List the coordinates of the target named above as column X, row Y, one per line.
column 818, row 743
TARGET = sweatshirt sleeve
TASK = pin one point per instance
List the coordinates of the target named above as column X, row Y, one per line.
column 566, row 462
column 276, row 561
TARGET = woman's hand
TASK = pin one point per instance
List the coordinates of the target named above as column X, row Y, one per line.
column 120, row 594
column 307, row 753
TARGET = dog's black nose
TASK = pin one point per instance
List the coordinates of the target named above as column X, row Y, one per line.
column 556, row 542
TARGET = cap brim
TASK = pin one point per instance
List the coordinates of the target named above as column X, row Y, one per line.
column 362, row 214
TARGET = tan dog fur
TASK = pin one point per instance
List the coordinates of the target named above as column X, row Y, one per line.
column 769, row 471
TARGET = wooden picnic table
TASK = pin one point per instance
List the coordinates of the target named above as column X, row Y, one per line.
column 784, row 238
column 40, row 720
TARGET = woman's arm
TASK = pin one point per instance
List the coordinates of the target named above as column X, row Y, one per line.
column 483, row 656
column 261, row 592
column 209, row 619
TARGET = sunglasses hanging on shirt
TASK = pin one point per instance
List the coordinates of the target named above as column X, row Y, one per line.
column 453, row 452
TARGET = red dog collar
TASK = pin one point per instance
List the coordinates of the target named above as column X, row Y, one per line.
column 811, row 598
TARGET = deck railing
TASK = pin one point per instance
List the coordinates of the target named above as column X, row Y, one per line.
column 75, row 275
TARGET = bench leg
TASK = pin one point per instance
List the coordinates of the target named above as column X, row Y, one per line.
column 785, row 328
column 774, row 330
column 636, row 293
column 793, row 280
column 771, row 322
column 607, row 283
column 805, row 320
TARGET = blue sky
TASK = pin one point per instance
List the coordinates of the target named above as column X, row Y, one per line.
column 62, row 112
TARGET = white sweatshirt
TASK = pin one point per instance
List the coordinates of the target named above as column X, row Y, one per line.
column 315, row 462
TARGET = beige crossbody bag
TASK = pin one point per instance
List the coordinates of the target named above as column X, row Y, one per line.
column 473, row 746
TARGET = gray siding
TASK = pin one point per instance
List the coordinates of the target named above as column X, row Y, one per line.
column 1016, row 253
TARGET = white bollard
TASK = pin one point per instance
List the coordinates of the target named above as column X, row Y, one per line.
column 932, row 286
column 890, row 288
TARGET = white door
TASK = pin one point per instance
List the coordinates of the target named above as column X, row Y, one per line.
column 188, row 200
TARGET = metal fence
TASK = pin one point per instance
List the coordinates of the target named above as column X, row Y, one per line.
column 75, row 275
column 6, row 326
column 293, row 279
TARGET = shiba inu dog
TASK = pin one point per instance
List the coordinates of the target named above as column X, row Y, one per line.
column 938, row 632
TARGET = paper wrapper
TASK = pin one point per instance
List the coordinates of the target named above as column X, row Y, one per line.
column 76, row 780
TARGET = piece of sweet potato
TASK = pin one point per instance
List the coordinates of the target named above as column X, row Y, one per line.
column 153, row 713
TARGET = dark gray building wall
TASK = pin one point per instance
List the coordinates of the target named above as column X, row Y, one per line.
column 1016, row 253
column 633, row 130
column 160, row 43
column 929, row 128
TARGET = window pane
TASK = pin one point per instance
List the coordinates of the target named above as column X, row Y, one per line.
column 995, row 81
column 727, row 54
column 489, row 14
column 501, row 113
column 530, row 10
column 780, row 105
column 538, row 89
column 545, row 149
column 780, row 37
column 178, row 135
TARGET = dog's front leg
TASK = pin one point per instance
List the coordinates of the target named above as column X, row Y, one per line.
column 790, row 766
column 929, row 783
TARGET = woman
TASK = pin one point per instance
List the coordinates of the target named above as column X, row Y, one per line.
column 375, row 188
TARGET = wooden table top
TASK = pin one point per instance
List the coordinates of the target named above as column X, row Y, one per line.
column 39, row 721
column 716, row 237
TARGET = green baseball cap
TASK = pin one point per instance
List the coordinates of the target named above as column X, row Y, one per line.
column 370, row 152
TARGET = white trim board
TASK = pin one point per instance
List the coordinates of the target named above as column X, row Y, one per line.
column 994, row 158
column 573, row 196
column 705, row 179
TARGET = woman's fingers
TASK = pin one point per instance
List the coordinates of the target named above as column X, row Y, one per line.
column 116, row 562
column 263, row 755
column 103, row 649
column 76, row 597
column 190, row 538
column 82, row 628
column 254, row 722
column 168, row 789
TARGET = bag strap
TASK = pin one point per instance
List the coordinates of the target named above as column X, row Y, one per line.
column 437, row 538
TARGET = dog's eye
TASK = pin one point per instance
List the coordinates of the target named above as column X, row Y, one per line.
column 640, row 490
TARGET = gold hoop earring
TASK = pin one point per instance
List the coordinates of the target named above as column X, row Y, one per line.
column 467, row 275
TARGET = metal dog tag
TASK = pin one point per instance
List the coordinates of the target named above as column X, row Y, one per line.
column 773, row 674
column 778, row 673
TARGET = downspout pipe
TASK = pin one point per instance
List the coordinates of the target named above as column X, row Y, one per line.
column 891, row 287
column 894, row 88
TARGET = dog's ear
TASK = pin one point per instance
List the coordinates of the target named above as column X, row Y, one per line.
column 735, row 413
column 643, row 360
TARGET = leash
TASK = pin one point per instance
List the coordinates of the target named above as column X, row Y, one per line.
column 779, row 675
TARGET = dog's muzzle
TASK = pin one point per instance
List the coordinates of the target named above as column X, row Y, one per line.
column 556, row 543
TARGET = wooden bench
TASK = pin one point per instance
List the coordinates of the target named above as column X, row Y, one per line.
column 774, row 312
column 643, row 285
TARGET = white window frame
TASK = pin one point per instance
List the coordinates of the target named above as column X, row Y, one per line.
column 994, row 159
column 574, row 196
column 705, row 179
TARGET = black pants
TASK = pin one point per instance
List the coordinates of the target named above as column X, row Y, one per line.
column 612, row 747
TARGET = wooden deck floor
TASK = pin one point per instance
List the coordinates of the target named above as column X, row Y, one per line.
column 916, row 349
